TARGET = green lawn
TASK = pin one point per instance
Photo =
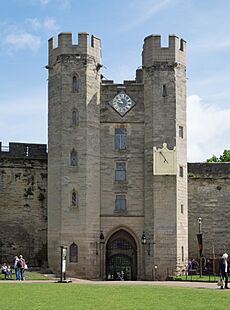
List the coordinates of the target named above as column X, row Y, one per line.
column 29, row 275
column 197, row 278
column 86, row 297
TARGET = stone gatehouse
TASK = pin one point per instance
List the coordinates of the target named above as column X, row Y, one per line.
column 117, row 194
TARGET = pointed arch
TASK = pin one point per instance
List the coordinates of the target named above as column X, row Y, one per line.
column 126, row 229
column 73, row 253
column 75, row 118
column 73, row 158
column 75, row 84
column 121, row 256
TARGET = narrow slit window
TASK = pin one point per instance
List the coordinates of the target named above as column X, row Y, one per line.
column 164, row 91
column 73, row 158
column 181, row 132
column 182, row 209
column 73, row 253
column 75, row 118
column 74, row 84
column 74, row 199
column 181, row 171
column 182, row 254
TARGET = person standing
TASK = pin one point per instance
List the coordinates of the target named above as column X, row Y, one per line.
column 189, row 266
column 22, row 268
column 5, row 270
column 224, row 269
column 16, row 268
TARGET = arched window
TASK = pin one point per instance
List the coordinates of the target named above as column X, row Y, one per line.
column 74, row 200
column 74, row 84
column 73, row 253
column 164, row 91
column 75, row 118
column 73, row 158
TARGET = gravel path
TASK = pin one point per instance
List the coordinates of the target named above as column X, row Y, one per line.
column 157, row 283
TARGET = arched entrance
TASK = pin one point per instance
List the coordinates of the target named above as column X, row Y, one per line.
column 121, row 256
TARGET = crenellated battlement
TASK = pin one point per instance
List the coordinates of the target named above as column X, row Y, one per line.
column 154, row 52
column 66, row 46
column 24, row 150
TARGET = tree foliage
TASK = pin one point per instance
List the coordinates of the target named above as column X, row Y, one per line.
column 225, row 157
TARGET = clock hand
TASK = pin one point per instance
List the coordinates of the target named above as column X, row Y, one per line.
column 165, row 160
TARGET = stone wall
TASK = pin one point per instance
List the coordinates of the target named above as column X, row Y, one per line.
column 132, row 220
column 156, row 205
column 165, row 111
column 209, row 198
column 23, row 205
column 77, row 222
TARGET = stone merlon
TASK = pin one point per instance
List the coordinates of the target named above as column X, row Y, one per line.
column 154, row 52
column 65, row 43
column 24, row 150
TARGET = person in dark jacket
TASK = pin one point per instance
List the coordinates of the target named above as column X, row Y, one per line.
column 224, row 269
column 22, row 267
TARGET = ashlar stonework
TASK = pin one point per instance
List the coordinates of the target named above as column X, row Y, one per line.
column 142, row 204
column 115, row 213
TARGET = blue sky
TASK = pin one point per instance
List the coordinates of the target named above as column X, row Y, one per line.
column 26, row 25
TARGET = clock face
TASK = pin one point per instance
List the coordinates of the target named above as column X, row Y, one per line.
column 122, row 103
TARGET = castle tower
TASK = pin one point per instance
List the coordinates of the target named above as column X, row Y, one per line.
column 74, row 153
column 166, row 165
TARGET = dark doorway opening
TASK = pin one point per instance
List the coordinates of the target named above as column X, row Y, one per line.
column 121, row 257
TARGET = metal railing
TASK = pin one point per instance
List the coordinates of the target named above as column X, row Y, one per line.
column 208, row 273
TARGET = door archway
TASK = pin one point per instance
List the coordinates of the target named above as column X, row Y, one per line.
column 121, row 256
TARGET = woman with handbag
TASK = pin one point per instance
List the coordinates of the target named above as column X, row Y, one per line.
column 224, row 269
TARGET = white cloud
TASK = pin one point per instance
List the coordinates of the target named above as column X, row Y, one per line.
column 34, row 22
column 120, row 73
column 145, row 11
column 62, row 3
column 220, row 40
column 213, row 87
column 208, row 129
column 18, row 37
column 65, row 3
column 23, row 40
column 24, row 119
column 48, row 23
column 44, row 2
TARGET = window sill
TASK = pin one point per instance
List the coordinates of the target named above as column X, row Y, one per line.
column 120, row 212
column 74, row 208
column 121, row 182
column 120, row 187
column 121, row 151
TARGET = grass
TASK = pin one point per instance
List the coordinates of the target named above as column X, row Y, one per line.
column 29, row 275
column 52, row 296
column 197, row 278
